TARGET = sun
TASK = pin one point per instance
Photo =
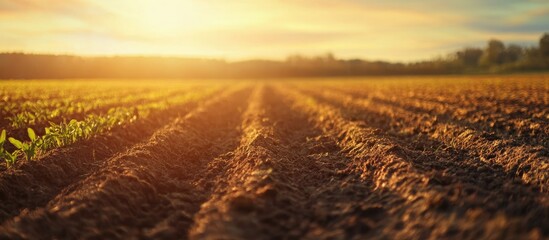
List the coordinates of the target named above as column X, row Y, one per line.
column 169, row 17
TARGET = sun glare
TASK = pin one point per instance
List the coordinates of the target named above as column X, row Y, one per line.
column 170, row 17
column 274, row 119
column 273, row 29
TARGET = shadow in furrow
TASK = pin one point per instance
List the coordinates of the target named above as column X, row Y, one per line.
column 31, row 185
column 518, row 135
column 522, row 162
column 435, row 211
column 39, row 127
column 147, row 191
column 287, row 180
column 471, row 182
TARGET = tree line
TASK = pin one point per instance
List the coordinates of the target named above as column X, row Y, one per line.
column 495, row 57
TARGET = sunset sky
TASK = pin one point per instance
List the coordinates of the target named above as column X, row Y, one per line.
column 240, row 29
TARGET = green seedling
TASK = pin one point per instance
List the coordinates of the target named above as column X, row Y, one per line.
column 10, row 158
column 65, row 133
column 32, row 134
column 2, row 139
column 30, row 148
column 3, row 152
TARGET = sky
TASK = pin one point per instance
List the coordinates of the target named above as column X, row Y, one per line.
column 397, row 30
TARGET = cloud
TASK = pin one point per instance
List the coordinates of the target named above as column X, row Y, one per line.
column 532, row 21
column 61, row 7
column 393, row 30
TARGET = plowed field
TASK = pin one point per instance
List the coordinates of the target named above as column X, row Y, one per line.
column 383, row 158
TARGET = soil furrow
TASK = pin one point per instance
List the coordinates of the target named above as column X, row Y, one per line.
column 243, row 185
column 284, row 181
column 32, row 184
column 530, row 164
column 250, row 200
column 39, row 127
column 439, row 209
column 450, row 166
column 378, row 158
column 499, row 121
column 510, row 93
column 516, row 107
column 84, row 98
column 339, row 202
column 524, row 129
column 146, row 191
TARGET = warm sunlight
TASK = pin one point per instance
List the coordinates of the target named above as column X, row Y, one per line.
column 274, row 119
column 165, row 18
column 242, row 29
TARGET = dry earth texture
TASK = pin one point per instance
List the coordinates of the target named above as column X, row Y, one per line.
column 378, row 158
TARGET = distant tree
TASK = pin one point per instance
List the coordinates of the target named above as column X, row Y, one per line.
column 513, row 53
column 327, row 57
column 469, row 56
column 544, row 45
column 295, row 59
column 494, row 54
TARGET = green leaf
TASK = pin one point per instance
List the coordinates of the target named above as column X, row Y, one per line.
column 31, row 133
column 10, row 158
column 18, row 144
column 3, row 136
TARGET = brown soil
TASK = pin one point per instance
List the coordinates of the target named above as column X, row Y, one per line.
column 285, row 161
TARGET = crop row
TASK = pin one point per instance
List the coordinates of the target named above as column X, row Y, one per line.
column 21, row 91
column 521, row 161
column 426, row 178
column 501, row 121
column 513, row 96
column 46, row 110
column 58, row 135
column 12, row 106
